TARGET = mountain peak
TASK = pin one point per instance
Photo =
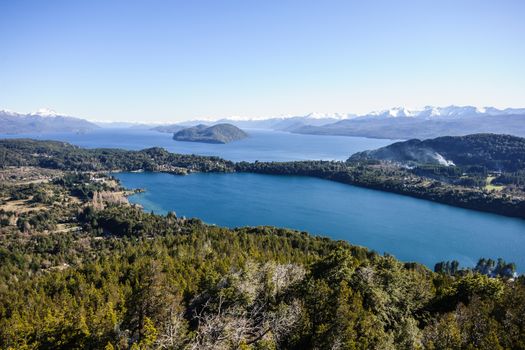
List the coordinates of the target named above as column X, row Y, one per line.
column 451, row 111
column 45, row 112
column 43, row 120
column 8, row 112
column 317, row 115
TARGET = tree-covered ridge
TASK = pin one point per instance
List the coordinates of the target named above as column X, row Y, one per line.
column 122, row 278
column 64, row 156
column 387, row 177
column 491, row 151
column 218, row 133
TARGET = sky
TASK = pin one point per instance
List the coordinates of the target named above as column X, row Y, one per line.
column 177, row 60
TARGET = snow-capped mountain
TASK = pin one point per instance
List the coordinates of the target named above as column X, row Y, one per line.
column 43, row 120
column 395, row 112
column 428, row 122
column 46, row 112
column 392, row 113
column 281, row 123
column 443, row 112
column 397, row 122
column 385, row 123
column 339, row 116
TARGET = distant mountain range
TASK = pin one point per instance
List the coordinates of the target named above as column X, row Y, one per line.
column 44, row 120
column 400, row 123
column 171, row 128
column 430, row 112
column 395, row 123
column 286, row 123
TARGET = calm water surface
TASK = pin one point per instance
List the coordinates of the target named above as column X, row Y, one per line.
column 263, row 145
column 409, row 228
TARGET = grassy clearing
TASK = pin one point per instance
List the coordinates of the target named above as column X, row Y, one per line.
column 490, row 187
column 20, row 206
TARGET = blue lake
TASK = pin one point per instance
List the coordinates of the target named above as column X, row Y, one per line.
column 263, row 145
column 409, row 228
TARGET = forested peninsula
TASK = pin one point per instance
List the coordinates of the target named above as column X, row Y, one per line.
column 470, row 186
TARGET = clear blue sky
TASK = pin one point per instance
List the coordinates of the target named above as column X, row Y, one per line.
column 175, row 60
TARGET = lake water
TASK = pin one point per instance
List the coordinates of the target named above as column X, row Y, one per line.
column 263, row 145
column 409, row 228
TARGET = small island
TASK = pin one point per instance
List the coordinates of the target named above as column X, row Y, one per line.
column 220, row 133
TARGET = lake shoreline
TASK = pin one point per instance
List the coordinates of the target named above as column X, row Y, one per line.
column 365, row 218
column 399, row 189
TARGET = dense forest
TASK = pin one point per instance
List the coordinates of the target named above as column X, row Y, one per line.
column 492, row 152
column 80, row 268
column 467, row 187
column 64, row 156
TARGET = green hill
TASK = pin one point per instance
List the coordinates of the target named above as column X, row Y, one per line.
column 492, row 151
column 220, row 133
